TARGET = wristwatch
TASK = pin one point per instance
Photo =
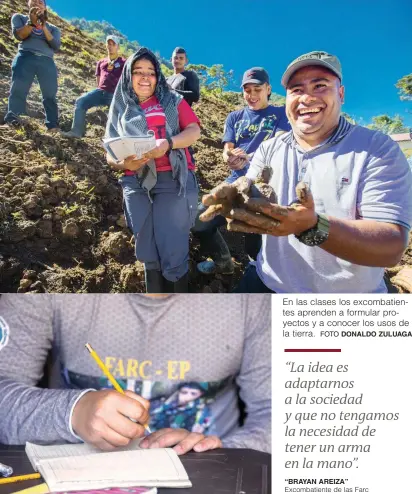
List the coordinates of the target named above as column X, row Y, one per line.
column 317, row 234
column 170, row 141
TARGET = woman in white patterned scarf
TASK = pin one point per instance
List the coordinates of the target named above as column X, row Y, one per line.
column 160, row 189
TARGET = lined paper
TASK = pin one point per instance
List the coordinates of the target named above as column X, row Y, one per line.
column 147, row 468
column 82, row 466
column 36, row 452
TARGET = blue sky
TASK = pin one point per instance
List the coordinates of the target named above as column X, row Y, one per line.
column 372, row 38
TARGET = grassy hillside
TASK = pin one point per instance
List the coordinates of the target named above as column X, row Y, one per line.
column 61, row 221
column 99, row 30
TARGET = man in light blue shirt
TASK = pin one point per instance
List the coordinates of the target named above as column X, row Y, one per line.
column 39, row 40
column 355, row 219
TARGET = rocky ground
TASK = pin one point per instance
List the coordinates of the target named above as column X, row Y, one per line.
column 61, row 222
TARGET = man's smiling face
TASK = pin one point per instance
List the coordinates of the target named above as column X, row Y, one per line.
column 256, row 95
column 314, row 98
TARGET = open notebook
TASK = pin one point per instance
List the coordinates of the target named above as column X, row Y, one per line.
column 122, row 147
column 82, row 467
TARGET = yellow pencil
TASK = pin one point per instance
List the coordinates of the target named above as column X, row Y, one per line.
column 20, row 478
column 109, row 376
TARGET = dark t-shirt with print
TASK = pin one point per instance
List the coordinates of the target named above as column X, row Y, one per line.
column 109, row 73
column 187, row 354
column 247, row 129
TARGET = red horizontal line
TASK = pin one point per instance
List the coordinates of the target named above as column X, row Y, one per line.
column 313, row 350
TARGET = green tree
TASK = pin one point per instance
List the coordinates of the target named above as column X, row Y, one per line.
column 405, row 87
column 201, row 71
column 349, row 118
column 214, row 78
column 219, row 78
column 233, row 97
column 277, row 99
column 166, row 71
column 388, row 125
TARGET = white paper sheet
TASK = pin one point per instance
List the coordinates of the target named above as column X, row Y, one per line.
column 122, row 147
column 36, row 452
column 140, row 467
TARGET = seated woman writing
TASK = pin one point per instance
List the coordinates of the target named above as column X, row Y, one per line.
column 160, row 189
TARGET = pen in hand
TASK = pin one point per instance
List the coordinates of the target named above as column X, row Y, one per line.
column 109, row 376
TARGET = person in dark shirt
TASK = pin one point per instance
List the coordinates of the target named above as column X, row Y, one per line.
column 184, row 360
column 38, row 42
column 244, row 131
column 185, row 82
column 108, row 72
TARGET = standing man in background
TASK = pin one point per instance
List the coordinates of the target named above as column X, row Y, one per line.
column 39, row 40
column 108, row 72
column 185, row 82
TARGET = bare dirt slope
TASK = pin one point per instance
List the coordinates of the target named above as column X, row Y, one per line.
column 61, row 221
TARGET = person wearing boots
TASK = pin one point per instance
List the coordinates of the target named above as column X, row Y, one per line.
column 108, row 72
column 245, row 130
column 160, row 190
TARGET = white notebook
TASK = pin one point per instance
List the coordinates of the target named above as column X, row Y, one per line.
column 82, row 467
column 122, row 147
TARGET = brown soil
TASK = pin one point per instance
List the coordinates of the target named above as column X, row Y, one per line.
column 61, row 222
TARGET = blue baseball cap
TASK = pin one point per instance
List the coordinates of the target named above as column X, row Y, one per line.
column 255, row 75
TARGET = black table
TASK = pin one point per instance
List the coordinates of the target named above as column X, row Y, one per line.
column 222, row 471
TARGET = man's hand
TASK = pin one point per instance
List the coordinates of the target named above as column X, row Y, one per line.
column 227, row 192
column 41, row 19
column 162, row 146
column 273, row 219
column 220, row 200
column 102, row 418
column 34, row 14
column 134, row 164
column 45, row 17
column 181, row 440
column 237, row 158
